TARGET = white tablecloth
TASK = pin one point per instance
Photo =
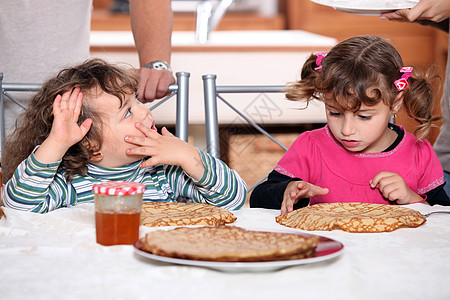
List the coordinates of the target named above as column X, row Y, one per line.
column 55, row 256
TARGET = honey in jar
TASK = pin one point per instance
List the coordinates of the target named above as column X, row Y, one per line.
column 117, row 212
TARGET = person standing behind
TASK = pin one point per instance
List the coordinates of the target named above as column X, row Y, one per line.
column 151, row 23
column 435, row 13
column 39, row 37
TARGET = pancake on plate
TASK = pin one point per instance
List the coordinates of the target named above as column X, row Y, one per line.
column 352, row 217
column 228, row 244
column 155, row 214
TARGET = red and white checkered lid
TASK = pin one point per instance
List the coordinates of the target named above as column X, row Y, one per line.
column 118, row 188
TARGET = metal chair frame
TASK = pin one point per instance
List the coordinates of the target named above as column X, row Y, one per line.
column 212, row 93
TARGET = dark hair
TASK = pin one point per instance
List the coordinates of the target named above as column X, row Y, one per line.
column 362, row 70
column 93, row 77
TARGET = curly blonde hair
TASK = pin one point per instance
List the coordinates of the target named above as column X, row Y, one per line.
column 93, row 77
column 361, row 64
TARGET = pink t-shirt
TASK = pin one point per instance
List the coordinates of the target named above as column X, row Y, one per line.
column 316, row 157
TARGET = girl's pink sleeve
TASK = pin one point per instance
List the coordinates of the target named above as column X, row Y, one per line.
column 431, row 174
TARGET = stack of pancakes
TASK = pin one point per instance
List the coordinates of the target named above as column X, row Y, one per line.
column 229, row 244
column 215, row 242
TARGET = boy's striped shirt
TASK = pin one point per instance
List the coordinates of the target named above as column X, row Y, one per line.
column 41, row 188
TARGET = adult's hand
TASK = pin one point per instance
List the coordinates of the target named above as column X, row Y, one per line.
column 153, row 84
column 431, row 10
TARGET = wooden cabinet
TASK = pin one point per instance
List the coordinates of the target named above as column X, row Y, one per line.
column 103, row 19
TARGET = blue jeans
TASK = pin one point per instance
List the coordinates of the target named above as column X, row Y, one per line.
column 447, row 180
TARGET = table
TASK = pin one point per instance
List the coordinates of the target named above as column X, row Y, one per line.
column 55, row 256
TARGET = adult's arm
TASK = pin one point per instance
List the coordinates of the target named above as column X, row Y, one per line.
column 151, row 23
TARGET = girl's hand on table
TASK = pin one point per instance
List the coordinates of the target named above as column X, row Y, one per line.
column 393, row 187
column 297, row 190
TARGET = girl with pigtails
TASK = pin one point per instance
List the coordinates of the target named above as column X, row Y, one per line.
column 359, row 156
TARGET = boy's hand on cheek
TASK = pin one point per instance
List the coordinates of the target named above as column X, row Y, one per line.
column 167, row 149
column 161, row 147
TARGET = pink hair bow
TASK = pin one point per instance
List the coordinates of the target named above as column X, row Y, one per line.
column 319, row 58
column 402, row 83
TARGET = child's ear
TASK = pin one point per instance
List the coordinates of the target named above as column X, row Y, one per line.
column 97, row 155
column 398, row 101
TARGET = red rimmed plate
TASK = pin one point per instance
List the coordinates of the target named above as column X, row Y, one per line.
column 326, row 250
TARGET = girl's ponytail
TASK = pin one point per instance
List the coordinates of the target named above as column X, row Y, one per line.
column 418, row 101
column 304, row 89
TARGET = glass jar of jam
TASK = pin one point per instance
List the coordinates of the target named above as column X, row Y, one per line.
column 117, row 212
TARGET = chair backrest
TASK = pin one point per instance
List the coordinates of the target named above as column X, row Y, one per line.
column 181, row 89
column 212, row 92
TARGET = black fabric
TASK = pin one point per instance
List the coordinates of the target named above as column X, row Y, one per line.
column 444, row 25
column 438, row 196
column 400, row 135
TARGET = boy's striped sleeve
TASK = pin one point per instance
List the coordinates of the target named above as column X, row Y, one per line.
column 219, row 186
column 36, row 187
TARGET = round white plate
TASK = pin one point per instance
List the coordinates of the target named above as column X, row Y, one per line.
column 367, row 7
column 326, row 250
